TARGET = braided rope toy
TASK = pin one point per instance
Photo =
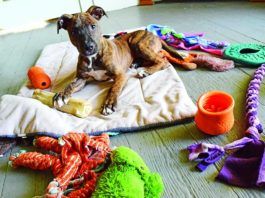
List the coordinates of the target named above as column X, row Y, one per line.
column 75, row 158
column 245, row 167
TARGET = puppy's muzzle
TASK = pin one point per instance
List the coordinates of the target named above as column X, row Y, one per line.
column 90, row 49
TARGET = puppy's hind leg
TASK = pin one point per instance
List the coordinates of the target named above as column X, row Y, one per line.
column 159, row 63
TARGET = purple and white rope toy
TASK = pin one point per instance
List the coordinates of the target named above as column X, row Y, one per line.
column 246, row 166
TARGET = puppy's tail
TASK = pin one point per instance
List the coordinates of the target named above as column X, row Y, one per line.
column 171, row 50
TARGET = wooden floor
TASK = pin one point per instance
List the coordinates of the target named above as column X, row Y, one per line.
column 162, row 149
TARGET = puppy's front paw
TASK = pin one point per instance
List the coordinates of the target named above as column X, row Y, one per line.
column 141, row 73
column 59, row 100
column 135, row 65
column 108, row 108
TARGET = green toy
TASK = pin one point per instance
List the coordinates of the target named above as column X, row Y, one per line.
column 167, row 30
column 246, row 54
column 128, row 176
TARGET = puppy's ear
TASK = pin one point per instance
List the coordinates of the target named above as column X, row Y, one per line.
column 63, row 21
column 96, row 12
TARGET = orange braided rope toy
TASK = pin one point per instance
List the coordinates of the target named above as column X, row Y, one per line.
column 75, row 157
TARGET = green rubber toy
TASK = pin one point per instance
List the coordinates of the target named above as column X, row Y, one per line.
column 246, row 54
column 128, row 177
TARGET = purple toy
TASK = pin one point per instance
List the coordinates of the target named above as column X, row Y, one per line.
column 187, row 41
column 246, row 166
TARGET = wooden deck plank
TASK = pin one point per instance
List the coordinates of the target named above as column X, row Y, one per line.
column 175, row 140
column 237, row 20
column 22, row 182
column 3, row 171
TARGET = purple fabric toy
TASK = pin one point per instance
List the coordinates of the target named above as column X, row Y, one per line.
column 187, row 41
column 246, row 166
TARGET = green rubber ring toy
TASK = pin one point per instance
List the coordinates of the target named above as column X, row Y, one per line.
column 246, row 54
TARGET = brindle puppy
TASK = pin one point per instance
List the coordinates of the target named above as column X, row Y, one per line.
column 101, row 59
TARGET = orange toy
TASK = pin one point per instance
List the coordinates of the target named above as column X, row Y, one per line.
column 75, row 158
column 38, row 78
column 192, row 61
column 215, row 112
column 186, row 63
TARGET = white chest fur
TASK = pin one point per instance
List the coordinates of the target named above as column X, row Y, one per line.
column 99, row 75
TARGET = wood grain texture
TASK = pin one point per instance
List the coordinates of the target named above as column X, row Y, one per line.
column 22, row 182
column 162, row 149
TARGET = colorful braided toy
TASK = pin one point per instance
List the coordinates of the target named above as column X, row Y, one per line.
column 246, row 166
column 75, row 158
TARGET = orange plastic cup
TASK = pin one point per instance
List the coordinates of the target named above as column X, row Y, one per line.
column 38, row 78
column 215, row 112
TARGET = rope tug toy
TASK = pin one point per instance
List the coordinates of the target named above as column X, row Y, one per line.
column 76, row 163
column 85, row 166
column 245, row 167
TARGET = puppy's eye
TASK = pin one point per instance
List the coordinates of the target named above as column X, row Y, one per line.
column 93, row 26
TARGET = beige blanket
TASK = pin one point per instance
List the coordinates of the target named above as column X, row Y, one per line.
column 156, row 100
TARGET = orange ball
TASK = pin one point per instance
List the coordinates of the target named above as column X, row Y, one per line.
column 38, row 78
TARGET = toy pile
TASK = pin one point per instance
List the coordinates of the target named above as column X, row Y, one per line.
column 85, row 166
column 187, row 41
column 245, row 166
column 193, row 41
column 249, row 54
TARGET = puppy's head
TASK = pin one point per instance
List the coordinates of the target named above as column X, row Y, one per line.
column 83, row 29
